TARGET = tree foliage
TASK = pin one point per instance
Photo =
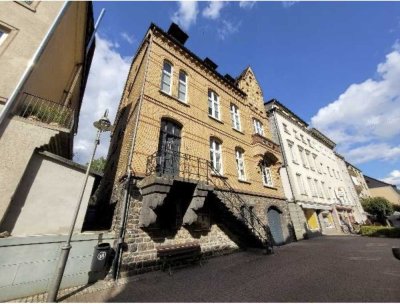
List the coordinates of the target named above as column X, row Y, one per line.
column 98, row 165
column 377, row 206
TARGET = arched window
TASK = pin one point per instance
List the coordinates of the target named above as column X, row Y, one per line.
column 213, row 104
column 240, row 163
column 235, row 116
column 166, row 78
column 216, row 155
column 182, row 87
column 266, row 173
column 258, row 127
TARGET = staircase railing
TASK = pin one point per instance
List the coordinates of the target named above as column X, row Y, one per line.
column 186, row 166
column 244, row 209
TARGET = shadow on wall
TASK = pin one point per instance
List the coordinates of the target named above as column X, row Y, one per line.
column 310, row 233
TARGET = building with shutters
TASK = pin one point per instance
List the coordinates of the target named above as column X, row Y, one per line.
column 313, row 178
column 191, row 159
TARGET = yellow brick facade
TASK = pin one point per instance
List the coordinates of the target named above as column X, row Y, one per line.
column 198, row 126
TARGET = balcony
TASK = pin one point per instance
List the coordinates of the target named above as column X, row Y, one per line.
column 261, row 145
column 37, row 109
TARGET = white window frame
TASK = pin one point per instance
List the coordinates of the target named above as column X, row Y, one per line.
column 312, row 187
column 292, row 152
column 302, row 156
column 296, row 134
column 239, row 153
column 266, row 175
column 182, row 83
column 308, row 156
column 300, row 184
column 215, row 150
column 213, row 105
column 4, row 35
column 235, row 117
column 166, row 73
column 285, row 128
column 258, row 127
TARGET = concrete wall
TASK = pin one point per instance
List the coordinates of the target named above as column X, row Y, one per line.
column 28, row 263
column 46, row 198
column 387, row 192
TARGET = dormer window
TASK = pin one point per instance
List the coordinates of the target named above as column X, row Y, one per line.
column 166, row 78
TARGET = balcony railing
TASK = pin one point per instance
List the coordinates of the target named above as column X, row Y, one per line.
column 177, row 164
column 46, row 111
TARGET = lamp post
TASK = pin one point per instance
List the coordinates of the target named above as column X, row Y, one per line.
column 102, row 125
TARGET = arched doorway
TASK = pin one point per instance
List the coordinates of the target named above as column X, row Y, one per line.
column 275, row 225
column 168, row 147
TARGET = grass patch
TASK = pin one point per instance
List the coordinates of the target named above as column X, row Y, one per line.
column 380, row 231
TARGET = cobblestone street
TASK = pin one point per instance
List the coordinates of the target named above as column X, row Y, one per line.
column 324, row 269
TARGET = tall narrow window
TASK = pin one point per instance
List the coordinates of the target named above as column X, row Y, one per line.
column 213, row 104
column 309, row 160
column 3, row 35
column 326, row 193
column 182, row 88
column 166, row 78
column 258, row 127
column 303, row 158
column 301, row 184
column 285, row 128
column 240, row 164
column 216, row 155
column 266, row 175
column 235, row 116
column 311, row 185
column 319, row 188
column 292, row 152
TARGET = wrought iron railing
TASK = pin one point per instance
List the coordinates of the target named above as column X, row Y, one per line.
column 46, row 111
column 176, row 164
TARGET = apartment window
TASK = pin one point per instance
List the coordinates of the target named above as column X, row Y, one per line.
column 216, row 155
column 303, row 158
column 318, row 185
column 292, row 152
column 3, row 35
column 240, row 164
column 309, row 160
column 312, row 188
column 285, row 128
column 258, row 127
column 302, row 138
column 235, row 116
column 182, row 87
column 329, row 171
column 166, row 79
column 296, row 135
column 310, row 143
column 213, row 104
column 266, row 175
column 326, row 193
column 300, row 184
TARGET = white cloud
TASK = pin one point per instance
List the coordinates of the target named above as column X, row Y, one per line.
column 247, row 4
column 367, row 114
column 288, row 4
column 186, row 14
column 213, row 9
column 393, row 178
column 103, row 91
column 227, row 28
column 128, row 38
column 373, row 151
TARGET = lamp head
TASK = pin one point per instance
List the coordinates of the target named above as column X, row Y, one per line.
column 103, row 124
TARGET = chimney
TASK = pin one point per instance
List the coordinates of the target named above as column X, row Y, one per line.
column 176, row 32
column 211, row 64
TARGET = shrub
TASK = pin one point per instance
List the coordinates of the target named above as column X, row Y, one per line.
column 378, row 206
column 380, row 231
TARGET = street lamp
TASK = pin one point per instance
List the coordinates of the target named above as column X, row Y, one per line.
column 102, row 125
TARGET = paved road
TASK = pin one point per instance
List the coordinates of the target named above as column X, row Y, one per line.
column 324, row 269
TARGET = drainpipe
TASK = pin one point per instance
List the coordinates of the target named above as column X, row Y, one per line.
column 285, row 162
column 126, row 201
column 31, row 65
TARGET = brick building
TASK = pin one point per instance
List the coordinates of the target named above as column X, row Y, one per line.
column 191, row 158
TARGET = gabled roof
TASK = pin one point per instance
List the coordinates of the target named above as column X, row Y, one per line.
column 376, row 183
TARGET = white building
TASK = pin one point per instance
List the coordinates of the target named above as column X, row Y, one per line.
column 314, row 182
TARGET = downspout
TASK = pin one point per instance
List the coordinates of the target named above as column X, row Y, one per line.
column 31, row 64
column 285, row 162
column 126, row 201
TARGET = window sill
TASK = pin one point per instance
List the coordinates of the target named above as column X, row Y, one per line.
column 174, row 98
column 218, row 175
column 239, row 131
column 270, row 187
column 295, row 162
column 216, row 119
column 244, row 181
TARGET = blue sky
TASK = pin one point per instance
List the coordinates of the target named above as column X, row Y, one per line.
column 335, row 64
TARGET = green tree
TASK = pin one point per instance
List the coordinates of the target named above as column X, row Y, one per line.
column 378, row 206
column 98, row 165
